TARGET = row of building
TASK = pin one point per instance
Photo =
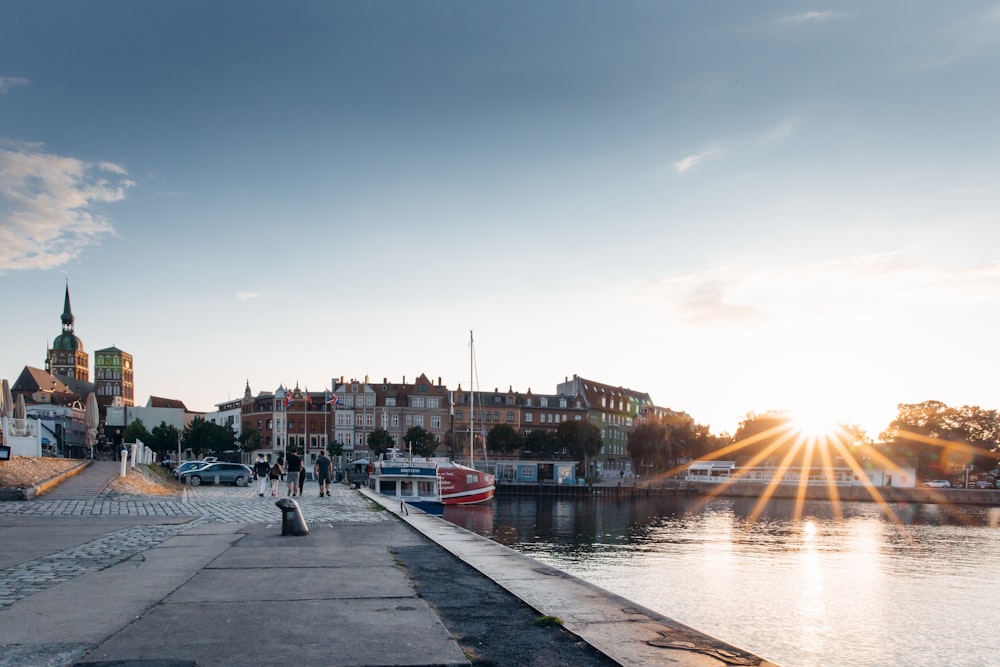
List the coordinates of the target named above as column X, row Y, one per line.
column 346, row 413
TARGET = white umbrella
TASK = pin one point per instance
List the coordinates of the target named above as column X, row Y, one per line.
column 93, row 420
column 20, row 411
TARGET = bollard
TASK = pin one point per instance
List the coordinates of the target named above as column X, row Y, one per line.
column 292, row 521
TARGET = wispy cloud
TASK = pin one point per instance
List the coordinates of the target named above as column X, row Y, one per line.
column 691, row 161
column 883, row 288
column 246, row 296
column 8, row 83
column 807, row 17
column 45, row 206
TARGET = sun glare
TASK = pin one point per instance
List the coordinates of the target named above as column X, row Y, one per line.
column 814, row 425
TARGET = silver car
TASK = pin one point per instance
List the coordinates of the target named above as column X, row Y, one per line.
column 221, row 473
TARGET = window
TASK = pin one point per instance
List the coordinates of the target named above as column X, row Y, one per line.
column 370, row 420
column 418, row 421
column 458, row 415
column 409, row 420
column 510, row 416
column 422, row 389
column 359, row 419
column 528, row 418
column 395, row 421
column 390, row 401
column 418, row 402
column 435, row 421
column 543, row 402
column 433, row 403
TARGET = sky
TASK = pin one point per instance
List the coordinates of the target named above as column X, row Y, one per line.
column 735, row 207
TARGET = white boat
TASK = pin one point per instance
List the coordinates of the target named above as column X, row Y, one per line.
column 413, row 481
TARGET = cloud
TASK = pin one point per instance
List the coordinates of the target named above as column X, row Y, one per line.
column 883, row 290
column 246, row 296
column 45, row 206
column 692, row 161
column 9, row 82
column 807, row 17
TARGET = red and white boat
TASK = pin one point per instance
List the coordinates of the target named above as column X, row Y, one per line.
column 461, row 484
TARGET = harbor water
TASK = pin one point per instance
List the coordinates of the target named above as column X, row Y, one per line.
column 849, row 584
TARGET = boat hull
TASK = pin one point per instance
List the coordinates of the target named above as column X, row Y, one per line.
column 461, row 485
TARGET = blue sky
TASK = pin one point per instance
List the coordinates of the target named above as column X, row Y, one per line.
column 732, row 206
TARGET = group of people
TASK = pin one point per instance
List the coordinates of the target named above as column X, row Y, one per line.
column 294, row 471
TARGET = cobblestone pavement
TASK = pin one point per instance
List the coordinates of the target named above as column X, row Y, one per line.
column 203, row 504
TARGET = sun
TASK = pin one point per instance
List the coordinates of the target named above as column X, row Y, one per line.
column 814, row 424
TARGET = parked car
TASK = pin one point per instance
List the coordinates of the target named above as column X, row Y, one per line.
column 984, row 484
column 225, row 473
column 938, row 483
column 188, row 465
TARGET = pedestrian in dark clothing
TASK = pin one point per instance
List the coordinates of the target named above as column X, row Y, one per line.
column 292, row 469
column 322, row 469
column 261, row 468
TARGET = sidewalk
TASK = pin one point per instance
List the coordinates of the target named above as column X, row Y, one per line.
column 367, row 586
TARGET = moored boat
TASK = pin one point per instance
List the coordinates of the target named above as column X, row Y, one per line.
column 415, row 482
column 462, row 485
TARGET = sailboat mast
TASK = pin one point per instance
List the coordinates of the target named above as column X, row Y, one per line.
column 472, row 405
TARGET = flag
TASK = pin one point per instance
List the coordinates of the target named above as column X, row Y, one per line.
column 333, row 400
column 288, row 398
column 309, row 399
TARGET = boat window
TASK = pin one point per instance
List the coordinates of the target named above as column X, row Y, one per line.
column 425, row 489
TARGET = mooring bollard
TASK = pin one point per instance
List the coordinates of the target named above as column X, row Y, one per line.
column 292, row 521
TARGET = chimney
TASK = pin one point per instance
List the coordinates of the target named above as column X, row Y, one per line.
column 439, row 380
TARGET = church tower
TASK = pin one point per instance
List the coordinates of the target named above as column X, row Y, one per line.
column 67, row 357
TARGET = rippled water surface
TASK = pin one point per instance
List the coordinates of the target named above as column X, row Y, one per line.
column 855, row 584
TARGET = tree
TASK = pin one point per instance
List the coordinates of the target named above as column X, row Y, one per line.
column 541, row 442
column 580, row 438
column 335, row 448
column 137, row 431
column 250, row 440
column 203, row 436
column 379, row 442
column 503, row 438
column 648, row 447
column 421, row 441
column 943, row 440
column 165, row 438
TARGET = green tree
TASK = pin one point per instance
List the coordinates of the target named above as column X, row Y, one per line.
column 335, row 448
column 421, row 441
column 943, row 440
column 581, row 439
column 503, row 438
column 541, row 442
column 137, row 431
column 165, row 438
column 202, row 436
column 250, row 439
column 648, row 447
column 379, row 442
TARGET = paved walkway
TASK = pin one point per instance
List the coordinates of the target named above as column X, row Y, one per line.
column 206, row 576
column 88, row 484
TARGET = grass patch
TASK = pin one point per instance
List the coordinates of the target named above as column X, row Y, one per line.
column 548, row 621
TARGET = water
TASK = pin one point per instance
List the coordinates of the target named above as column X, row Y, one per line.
column 853, row 584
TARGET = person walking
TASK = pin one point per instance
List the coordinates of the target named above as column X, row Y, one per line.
column 293, row 466
column 262, row 469
column 302, row 471
column 322, row 469
column 274, row 475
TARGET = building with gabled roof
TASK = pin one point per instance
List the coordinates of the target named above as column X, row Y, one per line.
column 613, row 410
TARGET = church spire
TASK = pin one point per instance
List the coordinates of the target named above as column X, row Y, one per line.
column 67, row 315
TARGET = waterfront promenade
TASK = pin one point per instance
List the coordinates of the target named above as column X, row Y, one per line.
column 206, row 578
